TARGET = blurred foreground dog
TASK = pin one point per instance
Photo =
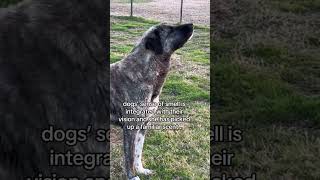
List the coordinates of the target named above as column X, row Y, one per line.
column 139, row 78
column 53, row 72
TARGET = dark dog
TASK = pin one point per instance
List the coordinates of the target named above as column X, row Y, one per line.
column 53, row 71
column 139, row 78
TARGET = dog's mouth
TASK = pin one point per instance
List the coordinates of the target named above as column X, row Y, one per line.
column 154, row 96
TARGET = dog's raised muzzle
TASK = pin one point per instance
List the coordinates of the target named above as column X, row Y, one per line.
column 186, row 29
column 182, row 34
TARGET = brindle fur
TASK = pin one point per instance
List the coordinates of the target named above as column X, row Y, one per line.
column 139, row 78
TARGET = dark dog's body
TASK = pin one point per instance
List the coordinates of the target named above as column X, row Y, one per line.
column 139, row 78
column 53, row 71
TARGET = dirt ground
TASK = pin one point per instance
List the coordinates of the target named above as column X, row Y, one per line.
column 194, row 11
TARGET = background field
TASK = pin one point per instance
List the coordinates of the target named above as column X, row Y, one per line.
column 266, row 81
column 196, row 11
column 182, row 154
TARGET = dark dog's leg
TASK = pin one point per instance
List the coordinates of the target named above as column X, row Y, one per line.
column 128, row 145
column 138, row 147
column 133, row 145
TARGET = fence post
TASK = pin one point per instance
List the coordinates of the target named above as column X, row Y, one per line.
column 131, row 12
column 181, row 11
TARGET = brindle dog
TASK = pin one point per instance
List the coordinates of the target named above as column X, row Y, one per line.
column 139, row 78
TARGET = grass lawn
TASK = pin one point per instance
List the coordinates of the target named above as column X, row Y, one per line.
column 266, row 81
column 180, row 154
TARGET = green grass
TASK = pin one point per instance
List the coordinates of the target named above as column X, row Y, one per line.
column 266, row 81
column 183, row 90
column 261, row 97
column 297, row 6
column 181, row 154
column 280, row 121
column 119, row 51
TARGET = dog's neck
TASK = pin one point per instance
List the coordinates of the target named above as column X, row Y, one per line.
column 144, row 70
column 145, row 65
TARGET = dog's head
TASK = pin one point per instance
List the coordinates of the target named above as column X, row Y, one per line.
column 165, row 39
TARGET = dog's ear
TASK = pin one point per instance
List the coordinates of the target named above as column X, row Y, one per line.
column 154, row 44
